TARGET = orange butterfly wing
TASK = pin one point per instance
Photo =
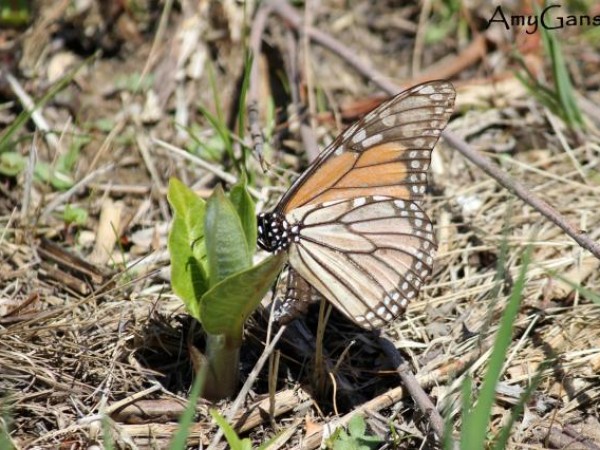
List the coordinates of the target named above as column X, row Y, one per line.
column 386, row 153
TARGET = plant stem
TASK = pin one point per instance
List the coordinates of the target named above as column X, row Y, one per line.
column 223, row 357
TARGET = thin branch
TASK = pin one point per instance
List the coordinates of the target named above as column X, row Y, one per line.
column 62, row 198
column 36, row 114
column 307, row 134
column 287, row 12
column 413, row 387
column 200, row 162
column 258, row 28
column 157, row 182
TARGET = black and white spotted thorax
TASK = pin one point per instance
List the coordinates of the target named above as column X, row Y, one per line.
column 275, row 233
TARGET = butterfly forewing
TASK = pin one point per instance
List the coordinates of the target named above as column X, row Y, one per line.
column 386, row 153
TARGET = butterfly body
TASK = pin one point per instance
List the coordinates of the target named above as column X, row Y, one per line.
column 352, row 223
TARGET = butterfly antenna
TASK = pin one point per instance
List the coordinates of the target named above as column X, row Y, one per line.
column 258, row 141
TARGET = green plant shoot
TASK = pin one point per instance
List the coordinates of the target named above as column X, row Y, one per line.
column 211, row 246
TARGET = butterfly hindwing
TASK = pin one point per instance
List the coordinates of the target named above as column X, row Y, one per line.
column 299, row 294
column 368, row 255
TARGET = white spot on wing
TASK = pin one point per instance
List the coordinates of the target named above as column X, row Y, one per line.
column 389, row 121
column 359, row 201
column 361, row 135
column 372, row 140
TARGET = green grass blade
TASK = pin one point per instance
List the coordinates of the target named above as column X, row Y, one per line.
column 562, row 81
column 179, row 441
column 235, row 443
column 221, row 129
column 475, row 425
column 587, row 293
column 218, row 120
column 502, row 437
column 25, row 115
column 106, row 435
column 243, row 95
column 5, row 441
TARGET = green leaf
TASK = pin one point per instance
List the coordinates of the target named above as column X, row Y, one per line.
column 107, row 440
column 76, row 215
column 226, row 246
column 227, row 305
column 54, row 176
column 12, row 163
column 187, row 247
column 5, row 424
column 246, row 209
column 66, row 162
column 357, row 426
column 15, row 14
column 358, row 439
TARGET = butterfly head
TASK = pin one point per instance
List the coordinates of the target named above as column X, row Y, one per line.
column 275, row 233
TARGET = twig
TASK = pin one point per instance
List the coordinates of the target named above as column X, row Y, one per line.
column 158, row 39
column 420, row 37
column 258, row 28
column 389, row 398
column 36, row 115
column 283, row 9
column 522, row 192
column 132, row 399
column 200, row 162
column 306, row 131
column 309, row 123
column 29, row 179
column 558, row 439
column 286, row 11
column 79, row 185
column 452, row 65
column 412, row 386
column 157, row 185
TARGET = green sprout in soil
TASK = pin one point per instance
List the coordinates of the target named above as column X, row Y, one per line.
column 211, row 245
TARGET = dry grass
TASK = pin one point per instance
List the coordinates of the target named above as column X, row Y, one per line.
column 80, row 341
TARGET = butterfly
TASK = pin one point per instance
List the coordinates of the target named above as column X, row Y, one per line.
column 352, row 223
